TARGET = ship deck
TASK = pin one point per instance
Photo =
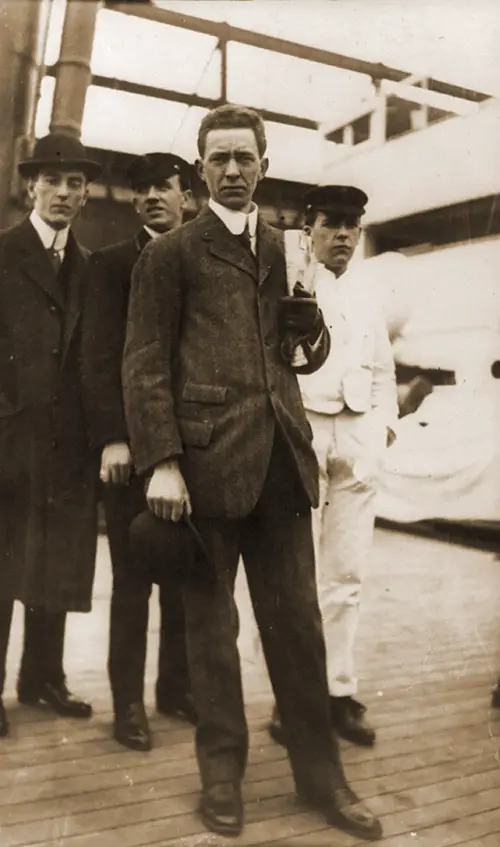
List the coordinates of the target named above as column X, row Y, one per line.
column 428, row 654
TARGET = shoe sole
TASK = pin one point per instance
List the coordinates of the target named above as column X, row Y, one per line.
column 40, row 701
column 220, row 829
column 358, row 741
column 131, row 745
column 340, row 822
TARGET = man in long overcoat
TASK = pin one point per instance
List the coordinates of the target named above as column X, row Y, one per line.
column 215, row 416
column 161, row 185
column 48, row 478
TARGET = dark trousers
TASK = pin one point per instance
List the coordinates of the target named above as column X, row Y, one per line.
column 130, row 610
column 43, row 646
column 275, row 541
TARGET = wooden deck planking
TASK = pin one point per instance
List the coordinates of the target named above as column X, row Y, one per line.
column 428, row 654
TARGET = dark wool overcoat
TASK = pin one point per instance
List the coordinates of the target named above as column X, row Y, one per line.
column 104, row 321
column 203, row 376
column 48, row 476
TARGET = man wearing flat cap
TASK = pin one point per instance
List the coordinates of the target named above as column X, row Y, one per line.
column 161, row 186
column 48, row 479
column 351, row 405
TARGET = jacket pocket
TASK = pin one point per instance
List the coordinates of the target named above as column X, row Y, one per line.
column 197, row 392
column 195, row 433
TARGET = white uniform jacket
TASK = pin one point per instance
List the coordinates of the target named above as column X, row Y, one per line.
column 359, row 372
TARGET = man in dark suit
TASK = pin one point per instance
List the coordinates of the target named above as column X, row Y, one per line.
column 215, row 417
column 161, row 185
column 48, row 479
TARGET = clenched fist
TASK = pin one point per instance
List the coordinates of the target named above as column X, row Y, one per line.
column 300, row 315
column 116, row 464
column 167, row 494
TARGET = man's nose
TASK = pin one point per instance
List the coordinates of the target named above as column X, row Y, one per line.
column 232, row 169
column 342, row 231
column 62, row 189
column 152, row 193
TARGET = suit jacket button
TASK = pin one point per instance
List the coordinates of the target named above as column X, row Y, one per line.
column 55, row 351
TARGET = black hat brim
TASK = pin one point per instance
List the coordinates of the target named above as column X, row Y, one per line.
column 157, row 544
column 31, row 167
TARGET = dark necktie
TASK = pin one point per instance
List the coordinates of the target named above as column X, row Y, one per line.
column 246, row 240
column 55, row 259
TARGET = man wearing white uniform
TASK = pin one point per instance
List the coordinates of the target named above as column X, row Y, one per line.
column 351, row 404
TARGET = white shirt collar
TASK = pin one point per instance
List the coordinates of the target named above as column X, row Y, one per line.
column 56, row 239
column 151, row 232
column 236, row 221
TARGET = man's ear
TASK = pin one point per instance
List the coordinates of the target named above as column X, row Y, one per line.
column 264, row 165
column 186, row 197
column 85, row 197
column 30, row 188
column 200, row 169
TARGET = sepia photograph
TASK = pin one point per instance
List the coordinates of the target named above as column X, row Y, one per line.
column 249, row 423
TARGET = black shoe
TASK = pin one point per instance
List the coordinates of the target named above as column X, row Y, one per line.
column 348, row 721
column 181, row 706
column 495, row 696
column 131, row 727
column 57, row 697
column 343, row 809
column 4, row 724
column 221, row 808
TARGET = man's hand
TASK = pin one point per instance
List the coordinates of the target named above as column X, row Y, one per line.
column 167, row 494
column 116, row 464
column 300, row 315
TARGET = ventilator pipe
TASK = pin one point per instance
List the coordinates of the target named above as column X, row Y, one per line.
column 73, row 73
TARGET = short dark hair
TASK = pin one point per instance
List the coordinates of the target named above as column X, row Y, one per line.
column 229, row 116
column 311, row 213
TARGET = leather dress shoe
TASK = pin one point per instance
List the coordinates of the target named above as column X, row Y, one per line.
column 348, row 721
column 181, row 706
column 221, row 808
column 57, row 697
column 131, row 727
column 495, row 696
column 343, row 809
column 4, row 724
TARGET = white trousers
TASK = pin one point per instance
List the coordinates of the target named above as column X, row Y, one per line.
column 349, row 448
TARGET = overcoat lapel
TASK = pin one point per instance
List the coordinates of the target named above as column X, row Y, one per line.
column 33, row 260
column 73, row 286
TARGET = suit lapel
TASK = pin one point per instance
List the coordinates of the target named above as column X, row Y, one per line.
column 269, row 249
column 34, row 261
column 224, row 245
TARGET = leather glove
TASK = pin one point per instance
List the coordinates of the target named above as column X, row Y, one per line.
column 300, row 316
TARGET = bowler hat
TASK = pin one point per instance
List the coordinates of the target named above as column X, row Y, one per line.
column 60, row 151
column 158, row 545
column 336, row 198
column 144, row 170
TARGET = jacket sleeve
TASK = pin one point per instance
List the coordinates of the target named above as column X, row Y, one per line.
column 384, row 391
column 103, row 335
column 151, row 345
